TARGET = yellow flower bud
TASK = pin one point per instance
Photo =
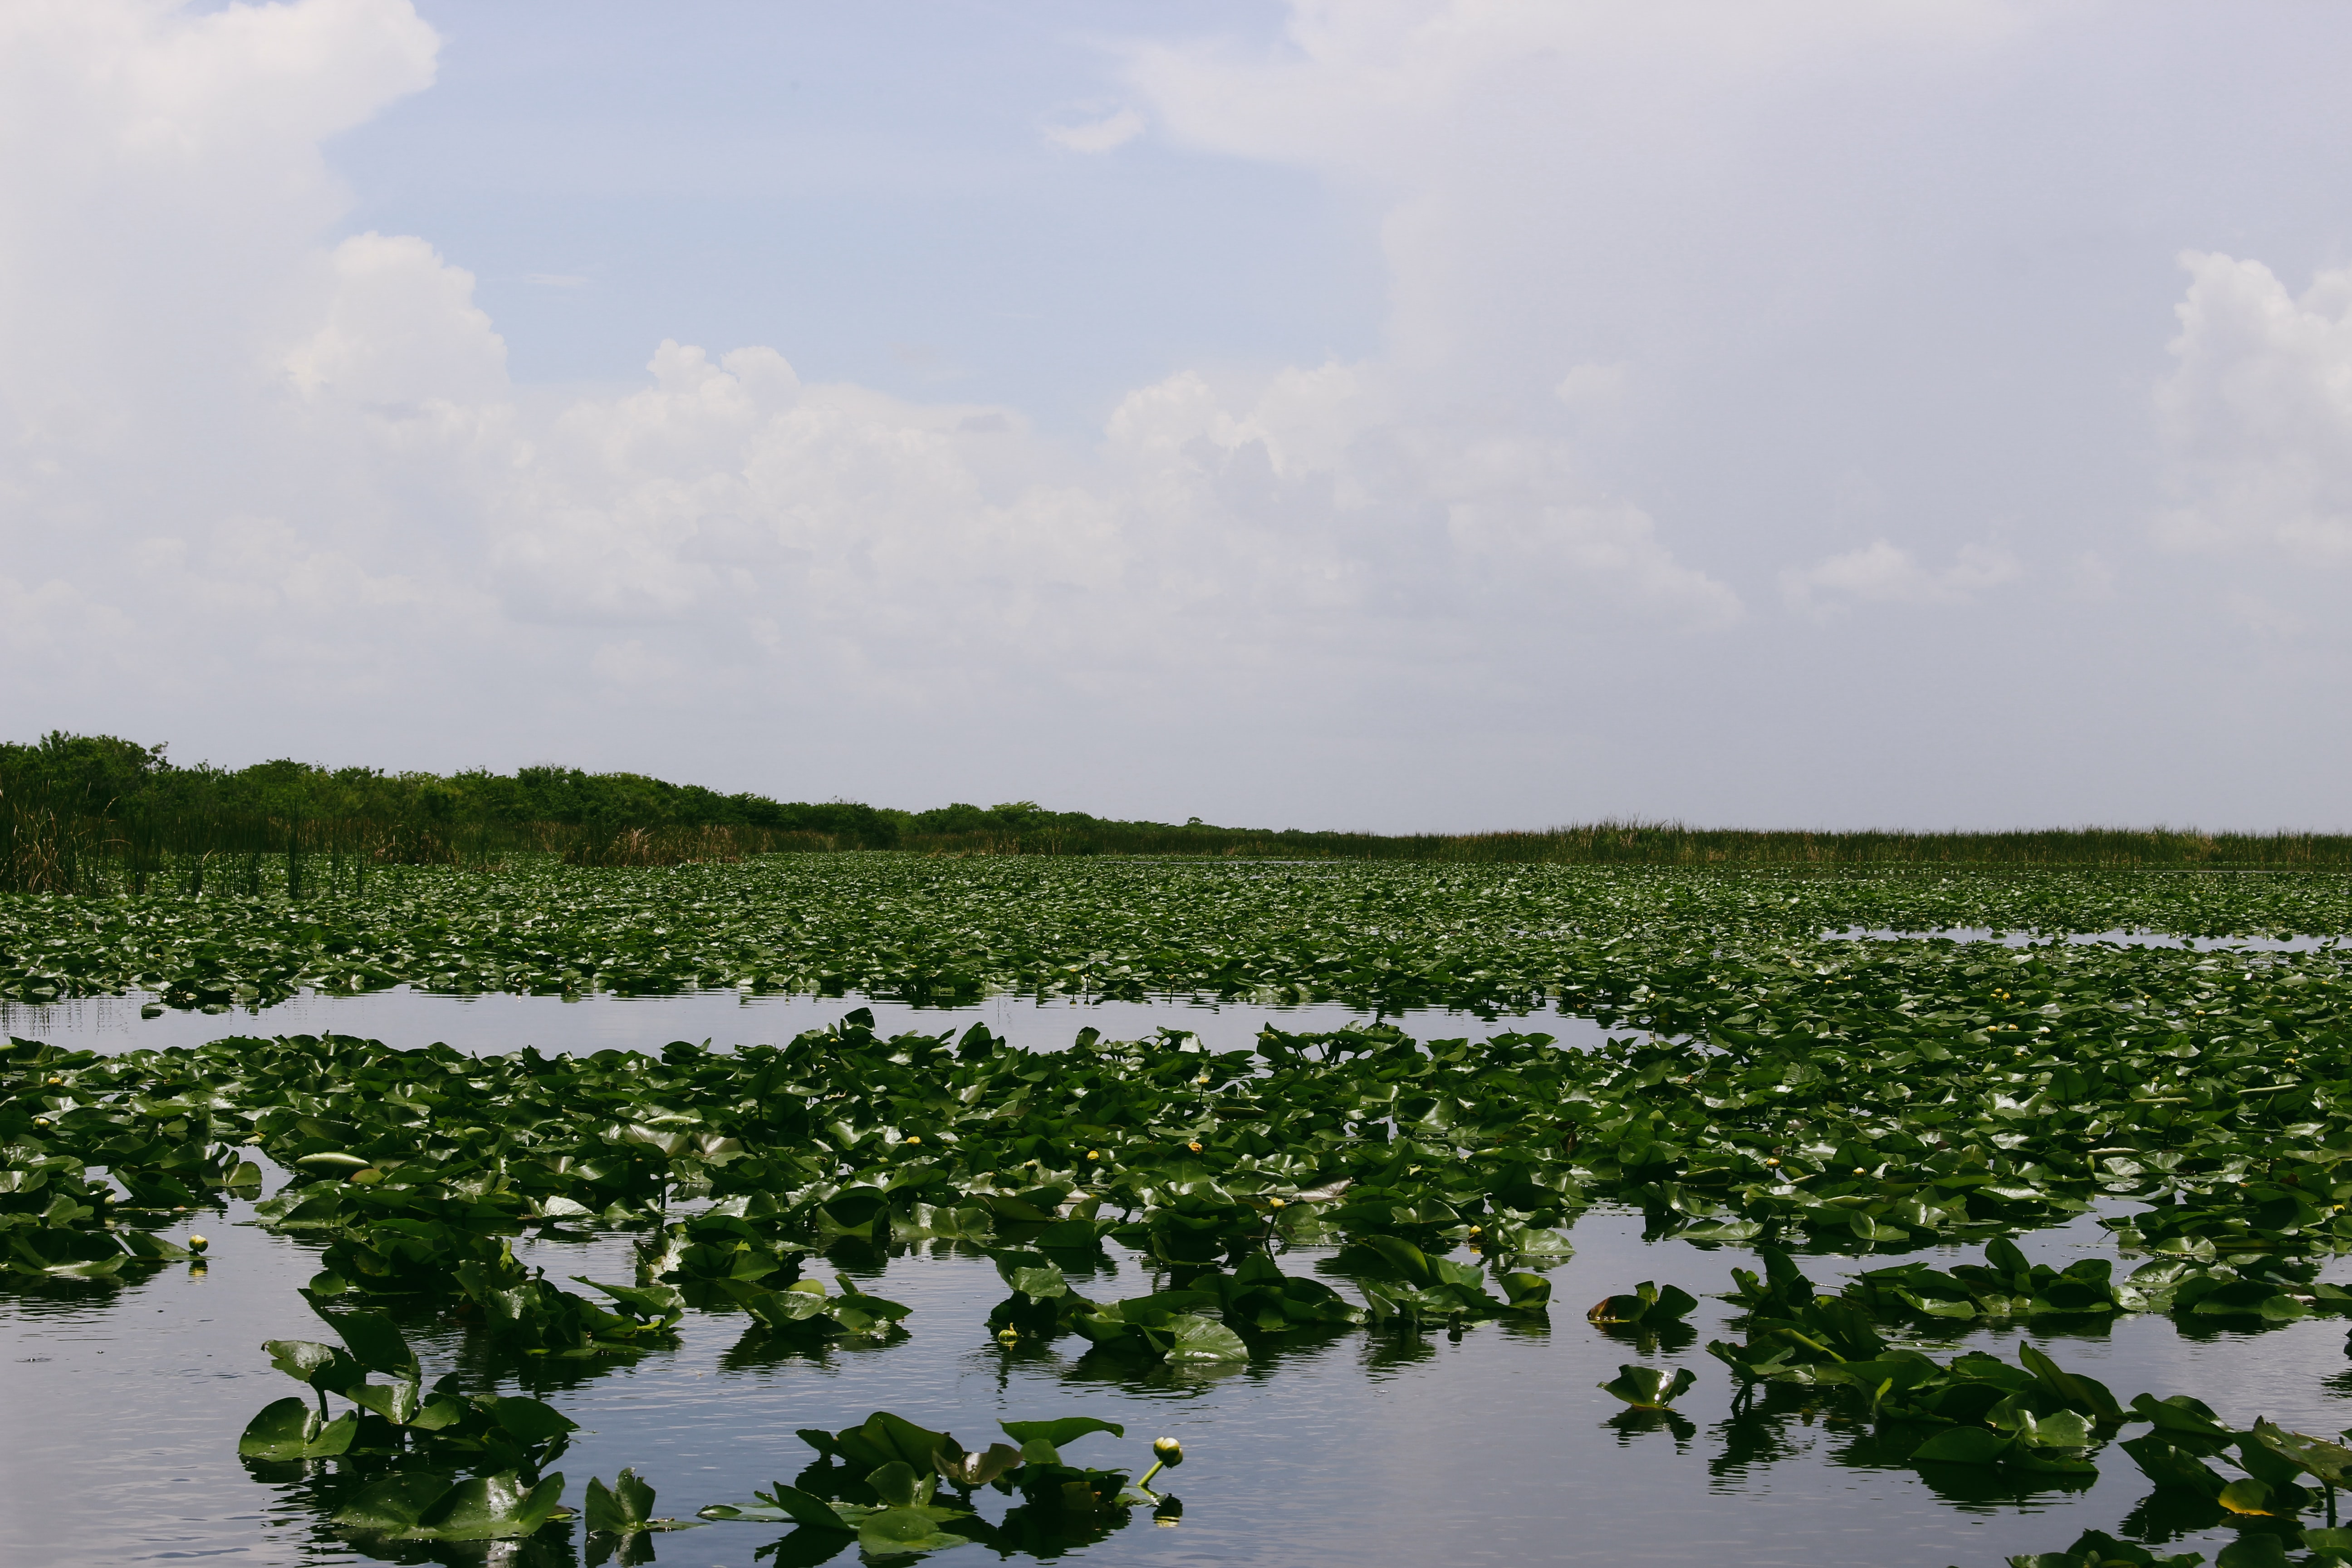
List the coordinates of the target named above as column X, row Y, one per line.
column 198, row 1244
column 1195, row 1147
column 912, row 1142
column 1093, row 1153
column 1273, row 1203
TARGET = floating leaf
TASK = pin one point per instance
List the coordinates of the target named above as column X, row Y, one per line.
column 1060, row 1431
column 625, row 1508
column 1963, row 1445
column 490, row 1507
column 1647, row 1303
column 395, row 1502
column 1650, row 1387
column 291, row 1428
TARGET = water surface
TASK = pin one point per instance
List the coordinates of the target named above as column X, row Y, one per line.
column 505, row 1022
column 1362, row 1447
column 1359, row 1447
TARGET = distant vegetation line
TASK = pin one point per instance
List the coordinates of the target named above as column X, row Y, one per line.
column 98, row 814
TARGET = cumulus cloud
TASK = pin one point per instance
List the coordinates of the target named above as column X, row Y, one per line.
column 1511, row 142
column 341, row 488
column 1364, row 83
column 1884, row 574
column 727, row 488
column 1646, row 305
column 2257, row 413
column 164, row 186
column 401, row 331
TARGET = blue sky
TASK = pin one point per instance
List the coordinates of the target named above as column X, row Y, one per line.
column 871, row 185
column 1403, row 414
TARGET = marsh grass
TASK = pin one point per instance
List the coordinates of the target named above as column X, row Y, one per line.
column 669, row 845
column 1673, row 844
column 45, row 850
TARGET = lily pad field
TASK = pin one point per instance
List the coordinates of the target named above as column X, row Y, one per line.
column 1832, row 1218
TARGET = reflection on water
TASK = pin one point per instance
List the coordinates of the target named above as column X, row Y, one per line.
column 726, row 1018
column 1490, row 1445
column 2093, row 938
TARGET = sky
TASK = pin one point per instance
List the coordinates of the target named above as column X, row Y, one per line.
column 1402, row 415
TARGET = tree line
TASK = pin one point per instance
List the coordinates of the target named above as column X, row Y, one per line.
column 107, row 777
column 86, row 812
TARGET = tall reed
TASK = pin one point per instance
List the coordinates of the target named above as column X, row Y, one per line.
column 44, row 849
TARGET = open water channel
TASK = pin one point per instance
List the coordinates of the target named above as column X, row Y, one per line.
column 1494, row 1446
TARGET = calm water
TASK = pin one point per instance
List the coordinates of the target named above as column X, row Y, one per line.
column 507, row 1022
column 1362, row 1448
column 2092, row 938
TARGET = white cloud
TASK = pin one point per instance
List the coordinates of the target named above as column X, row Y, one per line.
column 1543, row 165
column 2257, row 413
column 727, row 490
column 402, row 330
column 1102, row 134
column 1591, row 388
column 2270, row 622
column 1652, row 312
column 1547, row 553
column 2091, row 577
column 47, row 623
column 1364, row 83
column 1883, row 573
column 324, row 475
column 164, row 187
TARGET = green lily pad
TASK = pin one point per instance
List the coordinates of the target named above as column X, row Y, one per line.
column 625, row 1508
column 1650, row 1387
column 395, row 1502
column 291, row 1428
column 1963, row 1445
column 1060, row 1431
column 488, row 1507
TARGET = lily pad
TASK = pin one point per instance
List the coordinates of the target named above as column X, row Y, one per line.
column 1650, row 1387
column 292, row 1428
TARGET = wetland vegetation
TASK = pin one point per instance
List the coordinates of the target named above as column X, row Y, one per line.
column 100, row 814
column 1900, row 1110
